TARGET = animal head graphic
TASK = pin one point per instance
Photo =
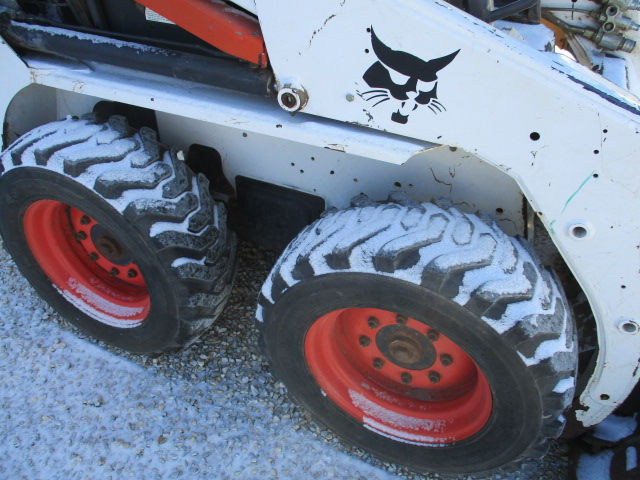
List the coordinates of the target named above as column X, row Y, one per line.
column 405, row 78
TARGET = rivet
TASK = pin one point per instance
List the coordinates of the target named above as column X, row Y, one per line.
column 350, row 97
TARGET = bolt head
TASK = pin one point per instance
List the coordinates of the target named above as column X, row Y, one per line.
column 93, row 257
column 378, row 363
column 365, row 341
column 433, row 335
column 85, row 220
column 132, row 273
column 373, row 322
column 114, row 272
column 434, row 377
column 401, row 320
column 406, row 378
column 446, row 359
column 81, row 236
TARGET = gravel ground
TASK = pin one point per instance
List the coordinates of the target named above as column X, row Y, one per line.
column 72, row 407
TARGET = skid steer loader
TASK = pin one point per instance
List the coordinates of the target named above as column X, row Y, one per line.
column 421, row 165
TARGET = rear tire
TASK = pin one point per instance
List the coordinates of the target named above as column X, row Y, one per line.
column 116, row 233
column 404, row 327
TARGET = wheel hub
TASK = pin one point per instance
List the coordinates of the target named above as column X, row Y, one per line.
column 108, row 246
column 406, row 347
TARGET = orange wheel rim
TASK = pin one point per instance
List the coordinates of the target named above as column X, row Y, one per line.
column 87, row 264
column 399, row 377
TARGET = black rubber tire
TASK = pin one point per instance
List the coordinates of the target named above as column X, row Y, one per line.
column 455, row 272
column 145, row 196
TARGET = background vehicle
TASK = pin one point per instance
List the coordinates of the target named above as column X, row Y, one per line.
column 402, row 324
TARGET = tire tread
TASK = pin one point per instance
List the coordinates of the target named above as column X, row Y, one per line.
column 465, row 258
column 148, row 184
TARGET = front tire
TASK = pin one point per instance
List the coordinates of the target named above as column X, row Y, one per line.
column 116, row 233
column 423, row 335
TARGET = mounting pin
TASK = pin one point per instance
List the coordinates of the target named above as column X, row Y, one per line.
column 292, row 97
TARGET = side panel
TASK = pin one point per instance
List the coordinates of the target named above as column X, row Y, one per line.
column 428, row 71
column 337, row 177
column 15, row 77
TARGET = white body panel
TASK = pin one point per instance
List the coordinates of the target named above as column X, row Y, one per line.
column 497, row 93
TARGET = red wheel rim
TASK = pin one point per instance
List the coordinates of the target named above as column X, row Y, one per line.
column 399, row 377
column 86, row 264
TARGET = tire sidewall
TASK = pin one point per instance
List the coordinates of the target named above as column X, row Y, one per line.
column 21, row 187
column 516, row 417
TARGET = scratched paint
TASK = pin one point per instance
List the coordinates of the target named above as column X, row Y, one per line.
column 566, row 204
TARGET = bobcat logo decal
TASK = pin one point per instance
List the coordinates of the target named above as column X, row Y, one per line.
column 404, row 77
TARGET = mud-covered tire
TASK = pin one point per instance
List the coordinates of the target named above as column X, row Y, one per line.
column 368, row 302
column 116, row 232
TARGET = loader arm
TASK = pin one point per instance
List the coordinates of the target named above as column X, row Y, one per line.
column 217, row 23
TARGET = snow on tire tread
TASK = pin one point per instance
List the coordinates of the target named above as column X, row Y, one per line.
column 150, row 186
column 466, row 258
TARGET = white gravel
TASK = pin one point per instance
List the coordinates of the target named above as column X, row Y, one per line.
column 71, row 407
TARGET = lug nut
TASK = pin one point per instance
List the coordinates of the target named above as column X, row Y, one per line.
column 434, row 377
column 114, row 272
column 132, row 273
column 433, row 335
column 378, row 363
column 93, row 256
column 85, row 220
column 81, row 236
column 406, row 378
column 373, row 322
column 446, row 359
column 401, row 320
column 364, row 341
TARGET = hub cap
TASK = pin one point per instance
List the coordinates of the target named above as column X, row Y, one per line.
column 398, row 376
column 87, row 264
